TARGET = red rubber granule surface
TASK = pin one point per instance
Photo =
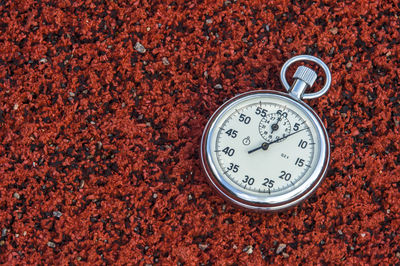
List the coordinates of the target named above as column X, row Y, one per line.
column 102, row 107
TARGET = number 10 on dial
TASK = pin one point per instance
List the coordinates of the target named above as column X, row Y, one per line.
column 266, row 150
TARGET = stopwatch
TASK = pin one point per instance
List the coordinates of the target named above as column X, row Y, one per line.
column 266, row 150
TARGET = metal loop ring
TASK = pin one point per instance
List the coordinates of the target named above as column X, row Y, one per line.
column 328, row 77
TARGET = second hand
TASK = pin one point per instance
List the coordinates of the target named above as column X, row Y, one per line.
column 265, row 145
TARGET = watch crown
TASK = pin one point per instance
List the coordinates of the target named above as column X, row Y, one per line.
column 305, row 74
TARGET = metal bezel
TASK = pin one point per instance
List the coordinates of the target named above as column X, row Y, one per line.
column 269, row 203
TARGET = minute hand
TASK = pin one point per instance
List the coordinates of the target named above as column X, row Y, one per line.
column 287, row 135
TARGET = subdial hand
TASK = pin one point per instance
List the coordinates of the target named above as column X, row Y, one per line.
column 265, row 145
column 275, row 126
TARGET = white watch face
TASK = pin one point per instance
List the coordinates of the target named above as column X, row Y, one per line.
column 265, row 148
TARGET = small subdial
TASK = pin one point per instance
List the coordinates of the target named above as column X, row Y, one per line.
column 274, row 126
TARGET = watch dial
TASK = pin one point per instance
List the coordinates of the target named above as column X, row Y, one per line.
column 264, row 146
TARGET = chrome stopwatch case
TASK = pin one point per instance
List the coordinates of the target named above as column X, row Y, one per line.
column 266, row 150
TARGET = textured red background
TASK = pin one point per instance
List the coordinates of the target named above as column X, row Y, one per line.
column 99, row 152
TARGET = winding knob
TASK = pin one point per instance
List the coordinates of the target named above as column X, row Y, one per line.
column 305, row 74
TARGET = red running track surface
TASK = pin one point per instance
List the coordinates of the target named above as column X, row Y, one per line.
column 102, row 107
